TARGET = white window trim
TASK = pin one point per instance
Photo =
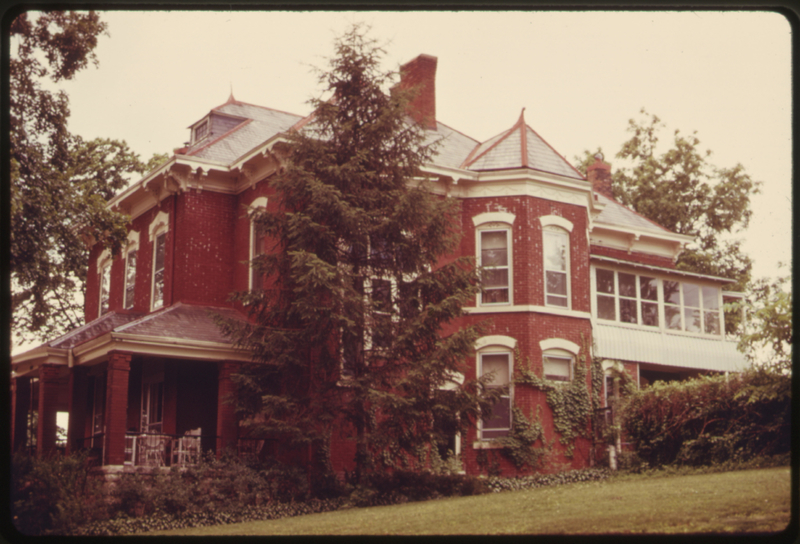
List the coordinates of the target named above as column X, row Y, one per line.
column 560, row 343
column 132, row 245
column 556, row 221
column 558, row 228
column 257, row 204
column 493, row 345
column 103, row 266
column 496, row 221
column 662, row 321
column 159, row 226
column 207, row 122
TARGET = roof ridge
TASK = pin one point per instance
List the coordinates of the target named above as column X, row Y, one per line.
column 240, row 103
column 500, row 138
column 556, row 152
column 460, row 132
column 148, row 317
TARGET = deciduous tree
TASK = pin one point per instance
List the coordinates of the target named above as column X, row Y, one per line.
column 349, row 330
column 59, row 182
column 681, row 190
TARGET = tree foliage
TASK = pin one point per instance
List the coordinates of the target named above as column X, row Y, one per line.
column 767, row 335
column 59, row 182
column 349, row 328
column 682, row 191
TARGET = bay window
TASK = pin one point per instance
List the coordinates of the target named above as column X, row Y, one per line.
column 130, row 279
column 159, row 251
column 557, row 365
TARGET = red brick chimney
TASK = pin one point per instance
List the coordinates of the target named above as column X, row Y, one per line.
column 599, row 173
column 420, row 74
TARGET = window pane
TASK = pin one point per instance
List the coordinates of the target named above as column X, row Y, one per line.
column 605, row 307
column 556, row 283
column 493, row 296
column 648, row 288
column 382, row 295
column 627, row 285
column 627, row 310
column 650, row 314
column 710, row 298
column 672, row 292
column 605, row 281
column 554, row 300
column 557, row 368
column 130, row 279
column 691, row 318
column 691, row 295
column 105, row 280
column 673, row 316
column 495, row 278
column 160, row 240
column 555, row 251
column 499, row 418
column 712, row 322
column 496, row 363
column 494, row 248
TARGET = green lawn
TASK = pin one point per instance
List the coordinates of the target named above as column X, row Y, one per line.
column 741, row 501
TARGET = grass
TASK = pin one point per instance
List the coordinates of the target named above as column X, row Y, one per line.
column 729, row 502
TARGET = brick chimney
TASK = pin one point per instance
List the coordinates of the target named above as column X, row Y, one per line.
column 599, row 173
column 420, row 74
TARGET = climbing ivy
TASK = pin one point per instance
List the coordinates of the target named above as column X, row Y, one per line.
column 519, row 445
column 570, row 403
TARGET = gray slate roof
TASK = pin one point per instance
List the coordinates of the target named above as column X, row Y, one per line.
column 616, row 214
column 93, row 329
column 259, row 125
column 519, row 147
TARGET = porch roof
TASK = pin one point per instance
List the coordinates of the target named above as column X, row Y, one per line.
column 173, row 331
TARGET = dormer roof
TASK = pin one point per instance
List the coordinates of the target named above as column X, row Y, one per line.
column 519, row 147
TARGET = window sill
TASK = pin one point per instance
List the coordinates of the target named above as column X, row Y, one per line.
column 487, row 445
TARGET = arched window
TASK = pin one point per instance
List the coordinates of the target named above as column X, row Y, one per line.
column 555, row 234
column 158, row 237
column 131, row 252
column 558, row 359
column 104, row 272
column 256, row 243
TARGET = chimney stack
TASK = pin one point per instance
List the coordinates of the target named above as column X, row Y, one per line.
column 599, row 174
column 419, row 74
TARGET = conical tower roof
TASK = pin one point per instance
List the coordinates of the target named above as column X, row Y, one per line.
column 519, row 147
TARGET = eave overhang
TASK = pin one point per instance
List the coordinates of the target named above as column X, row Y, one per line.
column 661, row 269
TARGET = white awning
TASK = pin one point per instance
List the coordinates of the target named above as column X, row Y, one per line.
column 675, row 350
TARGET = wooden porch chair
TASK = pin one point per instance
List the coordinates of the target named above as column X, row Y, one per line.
column 187, row 450
column 152, row 450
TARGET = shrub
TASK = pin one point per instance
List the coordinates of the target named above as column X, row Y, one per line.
column 402, row 486
column 52, row 494
column 710, row 419
column 497, row 484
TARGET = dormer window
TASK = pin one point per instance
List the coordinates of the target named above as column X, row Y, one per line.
column 200, row 131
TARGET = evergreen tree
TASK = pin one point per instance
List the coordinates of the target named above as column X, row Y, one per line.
column 349, row 329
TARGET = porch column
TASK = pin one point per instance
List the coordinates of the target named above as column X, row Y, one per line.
column 78, row 406
column 20, row 404
column 227, row 426
column 116, row 410
column 48, row 406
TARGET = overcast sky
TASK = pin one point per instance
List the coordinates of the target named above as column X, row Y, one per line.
column 580, row 76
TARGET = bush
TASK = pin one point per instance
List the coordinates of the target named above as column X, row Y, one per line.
column 518, row 483
column 710, row 420
column 402, row 486
column 52, row 494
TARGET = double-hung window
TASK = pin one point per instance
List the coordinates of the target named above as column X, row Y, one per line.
column 557, row 365
column 257, row 241
column 159, row 257
column 495, row 256
column 497, row 423
column 105, row 286
column 158, row 237
column 556, row 266
column 495, row 263
column 130, row 279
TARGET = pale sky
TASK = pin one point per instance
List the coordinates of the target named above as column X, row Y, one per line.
column 580, row 76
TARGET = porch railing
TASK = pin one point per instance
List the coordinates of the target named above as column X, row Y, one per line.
column 162, row 450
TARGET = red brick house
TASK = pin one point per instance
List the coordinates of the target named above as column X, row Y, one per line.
column 571, row 273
